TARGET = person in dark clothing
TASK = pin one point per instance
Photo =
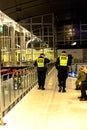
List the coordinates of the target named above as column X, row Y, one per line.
column 70, row 57
column 61, row 65
column 80, row 77
column 83, row 86
column 41, row 63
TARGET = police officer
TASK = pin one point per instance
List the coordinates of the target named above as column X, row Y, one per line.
column 61, row 65
column 41, row 69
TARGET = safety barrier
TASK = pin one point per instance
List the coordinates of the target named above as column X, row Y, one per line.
column 14, row 86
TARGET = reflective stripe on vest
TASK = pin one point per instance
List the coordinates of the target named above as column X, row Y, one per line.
column 63, row 60
column 40, row 62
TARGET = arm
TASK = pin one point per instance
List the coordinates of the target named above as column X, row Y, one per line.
column 82, row 77
column 69, row 59
column 47, row 60
column 35, row 63
column 57, row 64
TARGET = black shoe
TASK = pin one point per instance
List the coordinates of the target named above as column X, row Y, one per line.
column 39, row 87
column 60, row 89
column 77, row 89
column 80, row 97
column 43, row 88
column 83, row 99
column 20, row 88
column 63, row 90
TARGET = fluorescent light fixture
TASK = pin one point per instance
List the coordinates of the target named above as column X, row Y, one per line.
column 74, row 43
column 18, row 45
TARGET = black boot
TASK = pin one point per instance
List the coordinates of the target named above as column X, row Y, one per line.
column 77, row 87
column 63, row 90
column 60, row 89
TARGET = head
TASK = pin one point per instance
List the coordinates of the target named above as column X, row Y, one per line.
column 63, row 53
column 81, row 68
column 85, row 69
column 42, row 55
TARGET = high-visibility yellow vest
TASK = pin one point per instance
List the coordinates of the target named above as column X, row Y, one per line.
column 63, row 60
column 40, row 62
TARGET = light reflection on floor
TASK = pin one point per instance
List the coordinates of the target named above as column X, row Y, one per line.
column 49, row 109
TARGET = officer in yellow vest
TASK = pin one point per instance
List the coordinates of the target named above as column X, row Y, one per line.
column 62, row 66
column 41, row 69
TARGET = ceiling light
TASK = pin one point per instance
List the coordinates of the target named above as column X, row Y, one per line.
column 74, row 43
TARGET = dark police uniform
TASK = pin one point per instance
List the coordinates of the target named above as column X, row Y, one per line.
column 62, row 66
column 83, row 89
column 41, row 69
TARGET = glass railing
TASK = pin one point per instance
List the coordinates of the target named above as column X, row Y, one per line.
column 14, row 86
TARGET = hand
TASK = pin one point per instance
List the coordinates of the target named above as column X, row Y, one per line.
column 79, row 83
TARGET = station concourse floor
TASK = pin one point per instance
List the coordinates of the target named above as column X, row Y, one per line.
column 48, row 109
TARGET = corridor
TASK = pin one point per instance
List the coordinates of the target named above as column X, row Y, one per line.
column 48, row 109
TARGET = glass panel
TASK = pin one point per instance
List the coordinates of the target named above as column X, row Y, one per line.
column 50, row 41
column 76, row 31
column 60, row 36
column 84, row 27
column 84, row 43
column 60, row 29
column 46, row 39
column 47, row 19
column 76, row 35
column 68, row 43
column 68, row 36
column 17, row 39
column 45, row 30
column 60, row 43
column 84, row 21
column 51, row 44
column 68, row 28
column 84, row 35
column 36, row 20
column 37, row 29
column 50, row 30
column 36, row 32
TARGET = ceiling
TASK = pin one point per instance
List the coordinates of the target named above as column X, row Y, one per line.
column 63, row 9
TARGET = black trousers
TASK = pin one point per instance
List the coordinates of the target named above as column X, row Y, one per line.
column 41, row 78
column 62, row 79
column 83, row 89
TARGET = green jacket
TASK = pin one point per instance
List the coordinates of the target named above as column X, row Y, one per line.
column 81, row 77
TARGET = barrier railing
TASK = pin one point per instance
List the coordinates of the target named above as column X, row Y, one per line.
column 14, row 86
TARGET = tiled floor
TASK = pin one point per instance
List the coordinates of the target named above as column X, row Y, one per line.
column 48, row 109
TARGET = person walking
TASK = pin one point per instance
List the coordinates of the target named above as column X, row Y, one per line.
column 41, row 63
column 61, row 65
